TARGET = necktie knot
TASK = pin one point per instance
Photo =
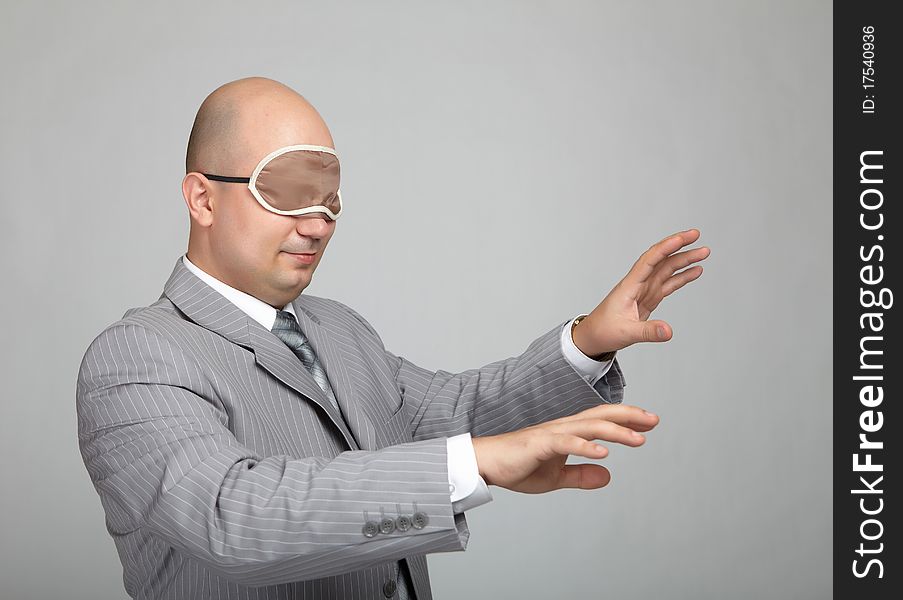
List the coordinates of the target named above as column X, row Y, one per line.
column 286, row 328
column 285, row 321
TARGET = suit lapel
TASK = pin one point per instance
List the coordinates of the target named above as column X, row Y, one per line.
column 334, row 358
column 213, row 311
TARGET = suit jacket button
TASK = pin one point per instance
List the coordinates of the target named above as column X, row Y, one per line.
column 420, row 520
column 387, row 525
column 370, row 529
column 403, row 522
column 389, row 589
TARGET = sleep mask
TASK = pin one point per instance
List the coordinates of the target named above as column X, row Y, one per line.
column 295, row 180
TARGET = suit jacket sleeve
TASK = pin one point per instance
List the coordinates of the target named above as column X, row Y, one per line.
column 157, row 448
column 536, row 386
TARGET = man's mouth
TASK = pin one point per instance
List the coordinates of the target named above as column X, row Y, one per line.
column 306, row 258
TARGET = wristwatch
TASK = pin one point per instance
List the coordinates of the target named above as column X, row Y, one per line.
column 601, row 357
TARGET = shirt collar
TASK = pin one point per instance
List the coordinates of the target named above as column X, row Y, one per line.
column 255, row 308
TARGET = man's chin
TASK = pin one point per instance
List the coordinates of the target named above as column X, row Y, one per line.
column 294, row 279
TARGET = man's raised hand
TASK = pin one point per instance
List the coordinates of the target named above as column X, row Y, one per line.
column 620, row 320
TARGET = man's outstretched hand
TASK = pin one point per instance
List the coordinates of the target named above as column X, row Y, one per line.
column 532, row 460
column 621, row 318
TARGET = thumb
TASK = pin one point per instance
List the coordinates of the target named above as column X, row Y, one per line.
column 584, row 476
column 654, row 331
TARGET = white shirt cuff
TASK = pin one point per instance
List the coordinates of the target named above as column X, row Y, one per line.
column 465, row 485
column 591, row 370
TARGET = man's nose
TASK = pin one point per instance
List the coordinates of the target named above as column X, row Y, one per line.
column 314, row 224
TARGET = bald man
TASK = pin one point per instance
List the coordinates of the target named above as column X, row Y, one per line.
column 251, row 441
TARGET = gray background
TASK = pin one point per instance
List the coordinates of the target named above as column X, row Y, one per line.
column 536, row 149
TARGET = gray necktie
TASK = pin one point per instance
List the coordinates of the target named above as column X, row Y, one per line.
column 286, row 328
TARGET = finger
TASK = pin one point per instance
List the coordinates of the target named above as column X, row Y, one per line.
column 644, row 266
column 602, row 429
column 678, row 261
column 626, row 415
column 675, row 282
column 565, row 444
column 584, row 476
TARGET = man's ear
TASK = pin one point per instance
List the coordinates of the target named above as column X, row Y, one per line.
column 198, row 193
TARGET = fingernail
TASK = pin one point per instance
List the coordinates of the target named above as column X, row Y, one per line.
column 649, row 413
column 661, row 332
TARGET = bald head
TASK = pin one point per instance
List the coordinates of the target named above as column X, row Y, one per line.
column 232, row 236
column 244, row 120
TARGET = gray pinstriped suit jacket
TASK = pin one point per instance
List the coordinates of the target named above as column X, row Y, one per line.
column 224, row 472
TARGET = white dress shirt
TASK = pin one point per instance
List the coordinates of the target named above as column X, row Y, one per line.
column 466, row 486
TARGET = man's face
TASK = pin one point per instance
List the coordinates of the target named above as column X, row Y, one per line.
column 261, row 252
